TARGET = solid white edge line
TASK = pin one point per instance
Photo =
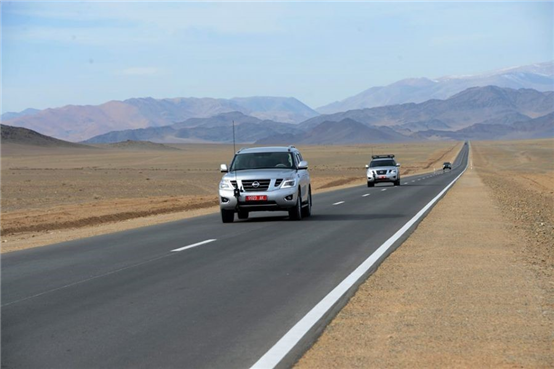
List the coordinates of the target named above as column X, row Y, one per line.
column 275, row 354
column 338, row 203
column 193, row 245
column 384, row 189
column 365, row 195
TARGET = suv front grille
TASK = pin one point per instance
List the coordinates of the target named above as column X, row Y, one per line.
column 263, row 185
column 381, row 172
column 278, row 182
column 234, row 183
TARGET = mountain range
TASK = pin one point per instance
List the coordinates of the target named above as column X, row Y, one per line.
column 469, row 114
column 80, row 122
column 218, row 128
column 11, row 115
column 539, row 77
column 540, row 127
column 406, row 107
column 489, row 104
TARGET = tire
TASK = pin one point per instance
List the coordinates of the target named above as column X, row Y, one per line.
column 296, row 212
column 370, row 184
column 307, row 210
column 397, row 182
column 243, row 214
column 227, row 216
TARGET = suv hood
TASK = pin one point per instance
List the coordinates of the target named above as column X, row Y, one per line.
column 261, row 174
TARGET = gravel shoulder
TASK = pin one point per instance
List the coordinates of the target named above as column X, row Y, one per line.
column 469, row 288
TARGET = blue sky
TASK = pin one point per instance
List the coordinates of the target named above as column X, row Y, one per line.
column 54, row 54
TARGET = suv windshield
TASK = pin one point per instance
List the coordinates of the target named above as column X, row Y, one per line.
column 263, row 160
column 382, row 163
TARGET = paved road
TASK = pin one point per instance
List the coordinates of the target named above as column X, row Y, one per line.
column 128, row 300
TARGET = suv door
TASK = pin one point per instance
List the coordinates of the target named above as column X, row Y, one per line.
column 304, row 178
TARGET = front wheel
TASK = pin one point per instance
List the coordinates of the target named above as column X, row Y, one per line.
column 296, row 212
column 370, row 184
column 307, row 210
column 397, row 182
column 227, row 216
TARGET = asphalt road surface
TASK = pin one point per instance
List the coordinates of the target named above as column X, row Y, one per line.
column 142, row 299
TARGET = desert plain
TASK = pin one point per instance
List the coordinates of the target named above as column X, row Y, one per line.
column 471, row 287
column 55, row 194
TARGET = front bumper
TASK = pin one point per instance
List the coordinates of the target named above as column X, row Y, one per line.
column 388, row 177
column 276, row 200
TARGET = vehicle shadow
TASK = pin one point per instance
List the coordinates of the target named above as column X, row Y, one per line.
column 324, row 218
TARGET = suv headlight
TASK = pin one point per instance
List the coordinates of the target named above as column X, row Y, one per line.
column 288, row 183
column 225, row 184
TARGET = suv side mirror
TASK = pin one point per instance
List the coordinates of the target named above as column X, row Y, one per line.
column 366, row 166
column 303, row 165
column 223, row 168
column 398, row 165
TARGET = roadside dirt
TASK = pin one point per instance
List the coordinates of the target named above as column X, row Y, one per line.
column 51, row 196
column 470, row 288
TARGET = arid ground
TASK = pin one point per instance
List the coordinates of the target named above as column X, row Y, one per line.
column 56, row 194
column 472, row 287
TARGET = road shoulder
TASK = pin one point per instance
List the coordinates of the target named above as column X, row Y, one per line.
column 454, row 294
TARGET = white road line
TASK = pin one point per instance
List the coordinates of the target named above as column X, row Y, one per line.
column 366, row 195
column 338, row 203
column 384, row 189
column 405, row 182
column 413, row 181
column 193, row 245
column 275, row 354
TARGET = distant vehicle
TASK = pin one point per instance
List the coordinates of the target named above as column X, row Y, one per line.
column 446, row 165
column 383, row 168
column 265, row 179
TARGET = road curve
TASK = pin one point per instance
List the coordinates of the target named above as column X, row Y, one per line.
column 196, row 293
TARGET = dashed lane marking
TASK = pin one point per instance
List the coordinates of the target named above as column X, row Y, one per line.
column 193, row 245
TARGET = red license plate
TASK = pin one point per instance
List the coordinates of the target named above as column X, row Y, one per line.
column 383, row 177
column 256, row 198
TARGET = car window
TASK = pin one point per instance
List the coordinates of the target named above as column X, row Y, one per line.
column 382, row 163
column 264, row 160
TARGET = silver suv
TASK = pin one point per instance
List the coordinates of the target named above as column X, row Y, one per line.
column 265, row 179
column 383, row 168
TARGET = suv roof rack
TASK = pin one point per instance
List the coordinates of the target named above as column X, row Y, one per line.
column 242, row 148
column 291, row 147
column 388, row 156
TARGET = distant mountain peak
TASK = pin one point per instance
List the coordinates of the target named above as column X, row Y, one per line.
column 538, row 76
column 77, row 123
column 11, row 115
